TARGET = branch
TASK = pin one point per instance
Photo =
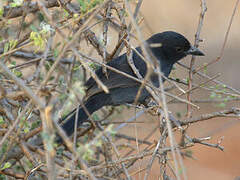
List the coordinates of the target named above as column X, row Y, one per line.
column 224, row 113
column 13, row 12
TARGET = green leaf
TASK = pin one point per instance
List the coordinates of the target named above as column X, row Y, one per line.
column 178, row 80
column 55, row 53
column 226, row 99
column 94, row 66
column 205, row 69
column 47, row 66
column 95, row 117
column 26, row 130
column 1, row 12
column 16, row 3
column 17, row 73
column 63, row 97
column 66, row 14
column 29, row 164
column 4, row 148
column 76, row 67
column 9, row 21
column 213, row 95
column 87, row 5
column 38, row 39
column 13, row 43
column 6, row 47
column 98, row 143
column 217, row 86
column 75, row 16
column 6, row 165
column 83, row 5
column 40, row 17
column 35, row 124
column 88, row 154
column 221, row 105
column 13, row 63
column 60, row 151
column 112, row 132
column 1, row 120
column 33, row 28
column 51, row 78
column 178, row 114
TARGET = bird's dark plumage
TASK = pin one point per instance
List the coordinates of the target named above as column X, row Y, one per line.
column 167, row 47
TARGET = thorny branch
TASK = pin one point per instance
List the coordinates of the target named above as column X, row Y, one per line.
column 25, row 100
column 196, row 44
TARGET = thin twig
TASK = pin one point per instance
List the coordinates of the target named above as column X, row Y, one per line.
column 196, row 44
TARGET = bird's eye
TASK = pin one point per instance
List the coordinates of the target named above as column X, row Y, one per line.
column 179, row 49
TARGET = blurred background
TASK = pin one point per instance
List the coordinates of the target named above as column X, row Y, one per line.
column 182, row 16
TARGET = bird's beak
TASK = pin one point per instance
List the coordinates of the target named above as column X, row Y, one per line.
column 194, row 51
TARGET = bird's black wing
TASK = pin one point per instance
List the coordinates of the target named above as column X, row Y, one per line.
column 116, row 80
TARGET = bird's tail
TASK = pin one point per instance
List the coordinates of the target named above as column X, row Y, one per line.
column 92, row 104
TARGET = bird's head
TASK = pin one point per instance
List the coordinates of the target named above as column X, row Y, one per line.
column 171, row 46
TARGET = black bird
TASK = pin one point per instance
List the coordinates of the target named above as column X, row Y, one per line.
column 167, row 47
